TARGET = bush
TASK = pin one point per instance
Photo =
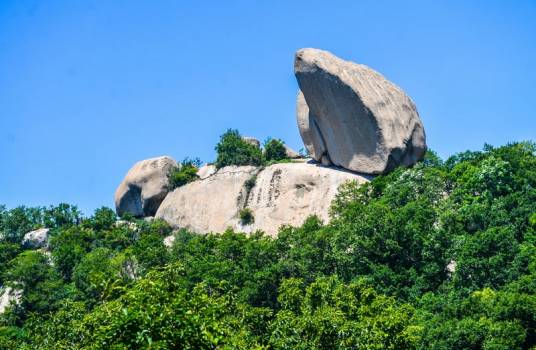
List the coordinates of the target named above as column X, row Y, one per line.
column 274, row 150
column 233, row 150
column 184, row 173
column 246, row 216
column 250, row 183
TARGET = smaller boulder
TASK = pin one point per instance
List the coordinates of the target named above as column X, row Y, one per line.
column 292, row 154
column 145, row 186
column 36, row 239
column 169, row 240
column 252, row 141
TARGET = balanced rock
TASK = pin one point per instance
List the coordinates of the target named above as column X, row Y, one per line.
column 145, row 186
column 351, row 116
column 36, row 239
column 280, row 194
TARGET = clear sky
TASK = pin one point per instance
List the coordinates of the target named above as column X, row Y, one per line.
column 87, row 88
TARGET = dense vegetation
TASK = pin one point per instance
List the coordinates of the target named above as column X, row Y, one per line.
column 439, row 256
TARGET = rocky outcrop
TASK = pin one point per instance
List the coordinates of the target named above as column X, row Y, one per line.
column 36, row 239
column 277, row 195
column 351, row 116
column 144, row 187
column 209, row 205
column 288, row 193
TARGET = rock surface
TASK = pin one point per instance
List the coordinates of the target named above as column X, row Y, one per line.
column 290, row 153
column 36, row 239
column 209, row 205
column 288, row 193
column 144, row 187
column 282, row 194
column 206, row 171
column 351, row 116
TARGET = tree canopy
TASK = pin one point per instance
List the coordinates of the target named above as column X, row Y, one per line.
column 438, row 256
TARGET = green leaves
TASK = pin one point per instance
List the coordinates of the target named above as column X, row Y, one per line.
column 184, row 173
column 274, row 150
column 438, row 256
column 233, row 150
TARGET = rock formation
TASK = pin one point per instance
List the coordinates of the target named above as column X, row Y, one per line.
column 280, row 194
column 36, row 239
column 144, row 187
column 209, row 205
column 351, row 116
column 352, row 121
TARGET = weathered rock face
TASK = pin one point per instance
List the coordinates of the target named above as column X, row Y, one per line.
column 36, row 239
column 144, row 187
column 209, row 205
column 351, row 116
column 277, row 195
column 288, row 193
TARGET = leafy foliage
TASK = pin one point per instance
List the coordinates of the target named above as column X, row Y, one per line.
column 233, row 150
column 184, row 173
column 274, row 150
column 438, row 256
column 246, row 216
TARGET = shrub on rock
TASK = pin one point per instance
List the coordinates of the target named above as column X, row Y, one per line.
column 234, row 150
column 274, row 150
column 184, row 173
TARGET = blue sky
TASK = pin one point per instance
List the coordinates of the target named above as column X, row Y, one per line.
column 87, row 88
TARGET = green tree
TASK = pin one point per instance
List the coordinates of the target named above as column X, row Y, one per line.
column 274, row 150
column 184, row 173
column 233, row 150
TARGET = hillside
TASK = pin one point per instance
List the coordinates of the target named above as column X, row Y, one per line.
column 440, row 255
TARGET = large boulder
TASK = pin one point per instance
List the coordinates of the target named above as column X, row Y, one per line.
column 36, row 239
column 280, row 194
column 145, row 186
column 351, row 116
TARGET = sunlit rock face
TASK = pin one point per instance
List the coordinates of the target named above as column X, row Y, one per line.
column 351, row 116
column 280, row 194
